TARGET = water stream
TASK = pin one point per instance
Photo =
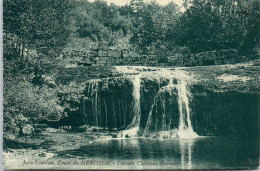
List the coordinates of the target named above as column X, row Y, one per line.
column 168, row 88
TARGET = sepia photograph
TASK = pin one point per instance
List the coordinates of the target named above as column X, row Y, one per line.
column 130, row 84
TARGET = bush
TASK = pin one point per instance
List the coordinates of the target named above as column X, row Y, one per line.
column 25, row 103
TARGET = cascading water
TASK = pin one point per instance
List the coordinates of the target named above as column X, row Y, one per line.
column 185, row 129
column 92, row 93
column 160, row 97
column 166, row 129
column 160, row 103
column 133, row 128
column 136, row 101
column 105, row 105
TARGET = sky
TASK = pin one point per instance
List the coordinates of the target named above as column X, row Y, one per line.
column 123, row 2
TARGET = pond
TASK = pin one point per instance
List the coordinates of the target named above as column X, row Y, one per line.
column 81, row 151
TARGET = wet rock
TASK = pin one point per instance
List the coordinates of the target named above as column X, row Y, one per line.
column 37, row 130
column 47, row 144
column 114, row 135
column 17, row 145
column 48, row 81
column 27, row 129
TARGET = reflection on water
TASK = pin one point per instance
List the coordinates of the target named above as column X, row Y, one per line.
column 186, row 149
column 145, row 153
column 199, row 153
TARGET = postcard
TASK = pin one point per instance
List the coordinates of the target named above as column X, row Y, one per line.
column 130, row 84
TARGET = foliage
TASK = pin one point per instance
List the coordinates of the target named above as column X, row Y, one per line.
column 205, row 25
column 26, row 103
column 34, row 25
column 215, row 25
column 164, row 30
column 97, row 25
column 36, row 32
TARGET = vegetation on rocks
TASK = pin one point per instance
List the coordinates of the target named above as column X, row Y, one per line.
column 243, row 77
column 38, row 86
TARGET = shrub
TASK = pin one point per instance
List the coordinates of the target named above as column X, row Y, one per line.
column 25, row 103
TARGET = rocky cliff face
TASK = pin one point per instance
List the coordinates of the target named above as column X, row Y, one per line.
column 213, row 100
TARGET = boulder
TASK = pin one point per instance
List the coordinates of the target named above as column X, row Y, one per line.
column 27, row 129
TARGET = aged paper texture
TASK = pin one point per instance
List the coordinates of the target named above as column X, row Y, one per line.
column 131, row 84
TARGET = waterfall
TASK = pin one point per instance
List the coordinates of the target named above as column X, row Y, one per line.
column 159, row 97
column 185, row 129
column 92, row 92
column 136, row 101
column 133, row 128
column 164, row 128
column 163, row 110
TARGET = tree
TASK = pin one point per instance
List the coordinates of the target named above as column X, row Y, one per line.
column 35, row 25
column 214, row 25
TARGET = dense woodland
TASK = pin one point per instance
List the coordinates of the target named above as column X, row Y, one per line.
column 36, row 32
column 48, row 27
